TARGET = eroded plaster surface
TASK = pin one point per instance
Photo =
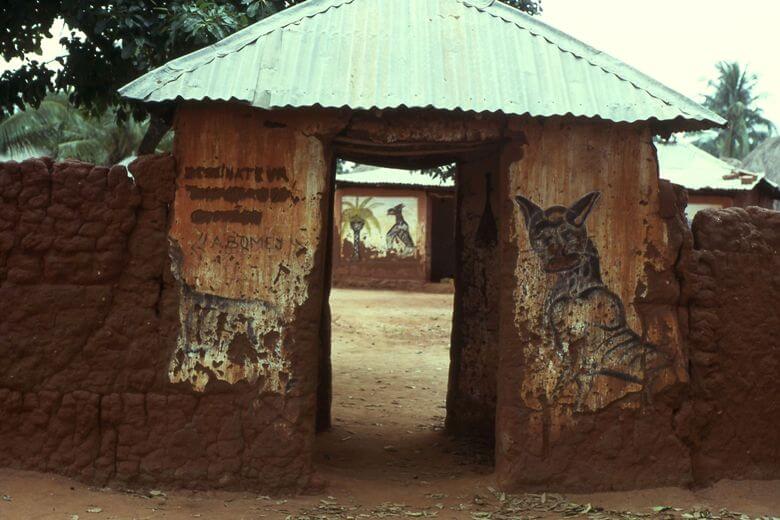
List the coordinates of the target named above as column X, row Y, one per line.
column 245, row 230
column 589, row 239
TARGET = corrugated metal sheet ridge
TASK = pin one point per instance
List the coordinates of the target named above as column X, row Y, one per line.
column 240, row 39
column 510, row 15
column 689, row 166
column 477, row 84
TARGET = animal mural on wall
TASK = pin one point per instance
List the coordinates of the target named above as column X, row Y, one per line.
column 586, row 320
column 379, row 228
column 399, row 234
column 358, row 215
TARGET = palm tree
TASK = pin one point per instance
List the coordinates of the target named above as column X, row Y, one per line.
column 62, row 131
column 30, row 130
column 357, row 216
column 733, row 98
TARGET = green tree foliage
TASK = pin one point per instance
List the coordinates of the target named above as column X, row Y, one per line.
column 529, row 6
column 733, row 97
column 57, row 129
column 111, row 43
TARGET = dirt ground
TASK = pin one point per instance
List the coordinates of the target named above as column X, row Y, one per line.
column 386, row 456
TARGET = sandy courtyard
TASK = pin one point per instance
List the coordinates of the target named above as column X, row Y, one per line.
column 386, row 456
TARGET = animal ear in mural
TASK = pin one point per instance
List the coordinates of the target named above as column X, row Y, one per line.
column 358, row 215
column 558, row 234
column 399, row 234
column 586, row 320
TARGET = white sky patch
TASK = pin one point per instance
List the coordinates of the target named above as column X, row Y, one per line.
column 50, row 49
column 678, row 42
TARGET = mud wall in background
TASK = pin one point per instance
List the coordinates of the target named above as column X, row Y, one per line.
column 592, row 360
column 471, row 394
column 381, row 237
column 732, row 286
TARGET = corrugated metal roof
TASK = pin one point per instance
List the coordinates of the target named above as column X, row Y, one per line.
column 695, row 169
column 470, row 55
column 378, row 176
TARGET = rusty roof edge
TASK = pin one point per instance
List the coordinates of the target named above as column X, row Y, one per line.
column 594, row 56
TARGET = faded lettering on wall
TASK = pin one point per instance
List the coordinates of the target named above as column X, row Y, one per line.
column 242, row 244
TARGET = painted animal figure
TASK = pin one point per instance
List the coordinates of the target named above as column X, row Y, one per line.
column 586, row 319
column 357, row 226
column 400, row 231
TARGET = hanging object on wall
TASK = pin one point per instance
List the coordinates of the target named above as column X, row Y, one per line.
column 487, row 232
column 586, row 321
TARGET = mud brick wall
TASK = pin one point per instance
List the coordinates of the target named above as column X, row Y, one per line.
column 88, row 324
column 733, row 290
column 471, row 396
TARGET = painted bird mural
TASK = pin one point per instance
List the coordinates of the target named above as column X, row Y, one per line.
column 399, row 233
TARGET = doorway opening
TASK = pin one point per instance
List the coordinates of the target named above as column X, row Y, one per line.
column 393, row 228
column 385, row 379
column 443, row 230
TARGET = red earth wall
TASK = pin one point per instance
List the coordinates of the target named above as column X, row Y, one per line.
column 732, row 284
column 602, row 434
column 89, row 321
column 89, row 318
column 471, row 393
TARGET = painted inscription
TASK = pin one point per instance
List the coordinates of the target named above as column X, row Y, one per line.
column 232, row 173
column 597, row 350
column 241, row 248
column 234, row 242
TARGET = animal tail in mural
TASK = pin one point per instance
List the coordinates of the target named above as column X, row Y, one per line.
column 399, row 233
column 585, row 319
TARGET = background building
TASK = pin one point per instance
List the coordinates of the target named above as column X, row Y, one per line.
column 766, row 159
column 712, row 182
column 393, row 228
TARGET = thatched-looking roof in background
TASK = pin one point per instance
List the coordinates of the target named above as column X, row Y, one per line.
column 465, row 55
column 765, row 159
